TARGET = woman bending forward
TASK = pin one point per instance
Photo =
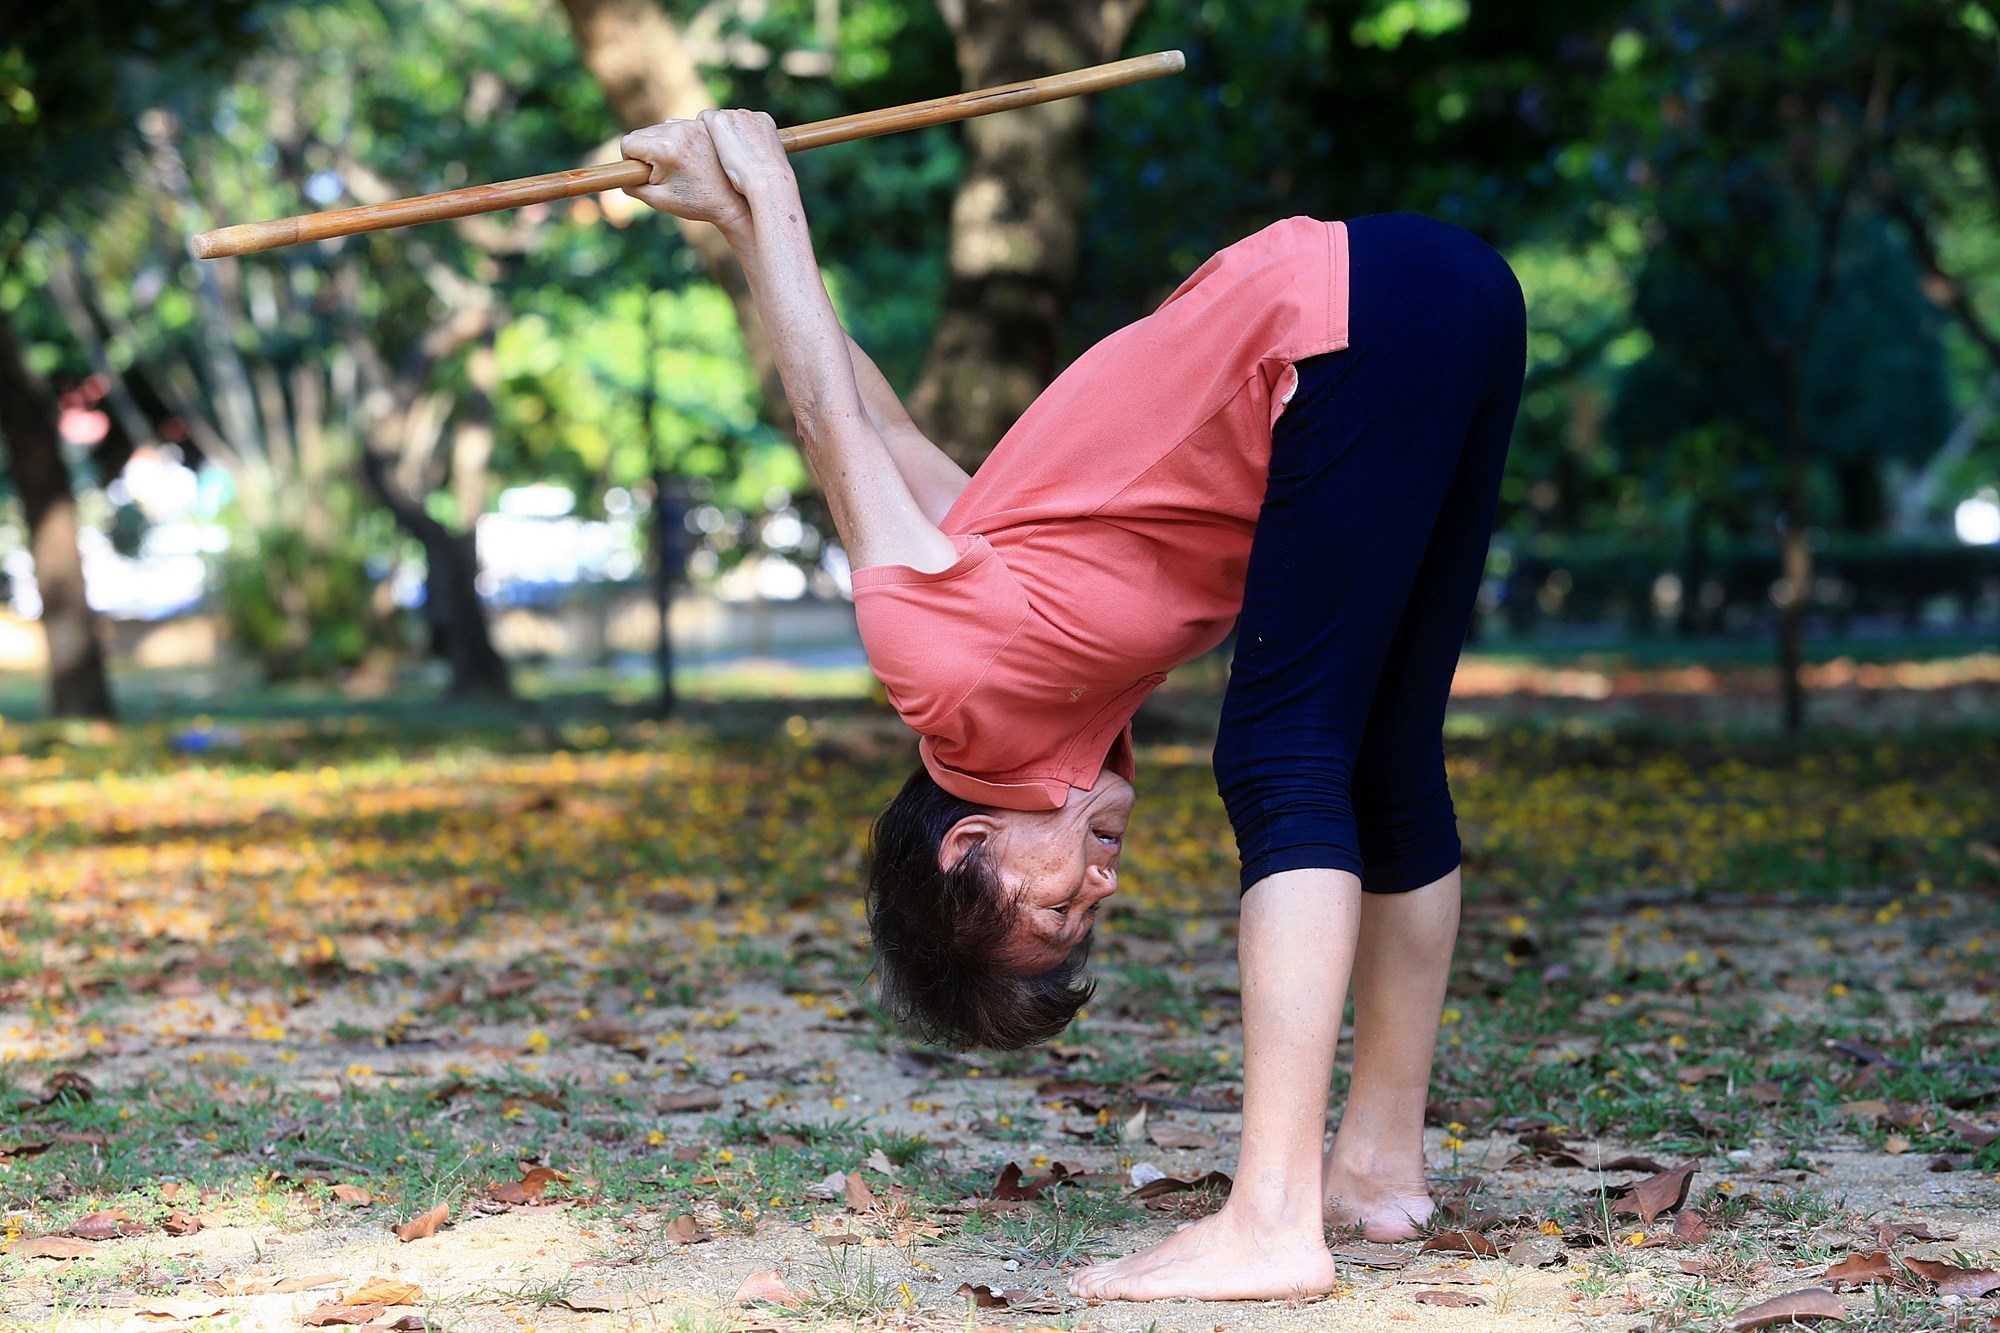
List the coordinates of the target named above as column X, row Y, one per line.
column 1304, row 442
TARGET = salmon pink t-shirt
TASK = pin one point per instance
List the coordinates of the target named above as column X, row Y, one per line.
column 1105, row 540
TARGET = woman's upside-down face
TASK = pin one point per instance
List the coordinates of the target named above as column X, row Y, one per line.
column 1057, row 866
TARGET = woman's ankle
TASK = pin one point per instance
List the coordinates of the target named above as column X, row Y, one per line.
column 1376, row 1171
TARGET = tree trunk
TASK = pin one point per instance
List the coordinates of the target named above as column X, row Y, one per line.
column 77, row 683
column 451, row 588
column 1015, row 219
column 1795, row 551
column 669, row 567
column 636, row 53
column 1694, row 571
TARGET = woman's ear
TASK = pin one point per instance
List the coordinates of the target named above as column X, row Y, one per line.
column 963, row 837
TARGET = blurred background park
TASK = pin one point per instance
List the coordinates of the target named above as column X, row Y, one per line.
column 434, row 737
column 476, row 460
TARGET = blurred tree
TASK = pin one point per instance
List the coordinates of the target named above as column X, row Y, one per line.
column 1942, row 185
column 372, row 357
column 1015, row 220
column 78, row 686
column 640, row 57
column 1751, row 131
column 71, row 82
column 1873, row 376
column 995, row 338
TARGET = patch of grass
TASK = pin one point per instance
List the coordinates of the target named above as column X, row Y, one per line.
column 538, row 1291
column 848, row 1285
column 1061, row 1230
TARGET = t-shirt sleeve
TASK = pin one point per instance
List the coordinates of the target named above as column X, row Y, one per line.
column 931, row 636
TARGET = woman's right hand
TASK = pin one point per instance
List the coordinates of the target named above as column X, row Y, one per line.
column 688, row 180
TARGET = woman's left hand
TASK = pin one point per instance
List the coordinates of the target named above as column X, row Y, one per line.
column 752, row 154
column 688, row 179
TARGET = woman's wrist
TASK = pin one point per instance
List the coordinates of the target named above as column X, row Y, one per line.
column 771, row 191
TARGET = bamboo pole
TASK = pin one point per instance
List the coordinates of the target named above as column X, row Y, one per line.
column 249, row 237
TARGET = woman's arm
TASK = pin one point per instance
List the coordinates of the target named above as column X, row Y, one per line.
column 730, row 169
column 933, row 478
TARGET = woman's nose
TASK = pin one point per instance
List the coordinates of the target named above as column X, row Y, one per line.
column 1100, row 883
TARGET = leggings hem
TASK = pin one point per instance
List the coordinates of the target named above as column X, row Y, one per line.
column 1401, row 876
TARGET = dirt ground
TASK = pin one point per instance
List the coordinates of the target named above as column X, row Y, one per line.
column 261, row 1009
column 504, row 1270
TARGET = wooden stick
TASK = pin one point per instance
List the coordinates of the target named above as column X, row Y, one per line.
column 249, row 237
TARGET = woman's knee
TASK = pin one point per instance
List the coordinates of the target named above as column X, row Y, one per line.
column 1408, row 843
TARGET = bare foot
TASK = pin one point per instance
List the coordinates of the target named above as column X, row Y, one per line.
column 1376, row 1208
column 1219, row 1258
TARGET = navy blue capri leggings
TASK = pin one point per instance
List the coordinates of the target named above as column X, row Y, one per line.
column 1370, row 547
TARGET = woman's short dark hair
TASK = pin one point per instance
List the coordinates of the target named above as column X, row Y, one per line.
column 939, row 934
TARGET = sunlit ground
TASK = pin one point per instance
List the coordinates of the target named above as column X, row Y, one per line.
column 292, row 942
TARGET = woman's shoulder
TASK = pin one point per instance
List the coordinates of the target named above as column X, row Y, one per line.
column 1289, row 251
column 931, row 635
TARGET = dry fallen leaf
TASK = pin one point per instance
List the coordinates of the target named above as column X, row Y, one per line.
column 1465, row 1111
column 1690, row 1227
column 276, row 1286
column 1953, row 1280
column 1454, row 1299
column 1859, row 1270
column 617, row 1036
column 418, row 1228
column 528, row 1189
column 859, row 1197
column 54, row 1247
column 684, row 1230
column 384, row 1291
column 1536, row 1252
column 1168, row 1135
column 1354, row 1254
column 351, row 1194
column 982, row 1296
column 1460, row 1242
column 104, row 1224
column 180, row 1311
column 768, row 1286
column 1811, row 1303
column 1656, row 1194
column 1134, row 1128
column 342, row 1314
column 610, row 1302
column 1971, row 1133
column 1168, row 1185
column 1890, row 1232
column 694, row 1099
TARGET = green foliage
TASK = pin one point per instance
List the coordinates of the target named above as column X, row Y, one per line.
column 301, row 608
column 73, row 78
column 1617, row 150
column 1874, row 368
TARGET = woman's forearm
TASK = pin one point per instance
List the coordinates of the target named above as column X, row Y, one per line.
column 933, row 478
column 875, row 509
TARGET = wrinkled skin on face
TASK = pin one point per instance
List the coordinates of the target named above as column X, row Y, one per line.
column 1056, row 865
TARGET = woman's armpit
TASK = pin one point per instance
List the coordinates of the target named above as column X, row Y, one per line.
column 931, row 638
